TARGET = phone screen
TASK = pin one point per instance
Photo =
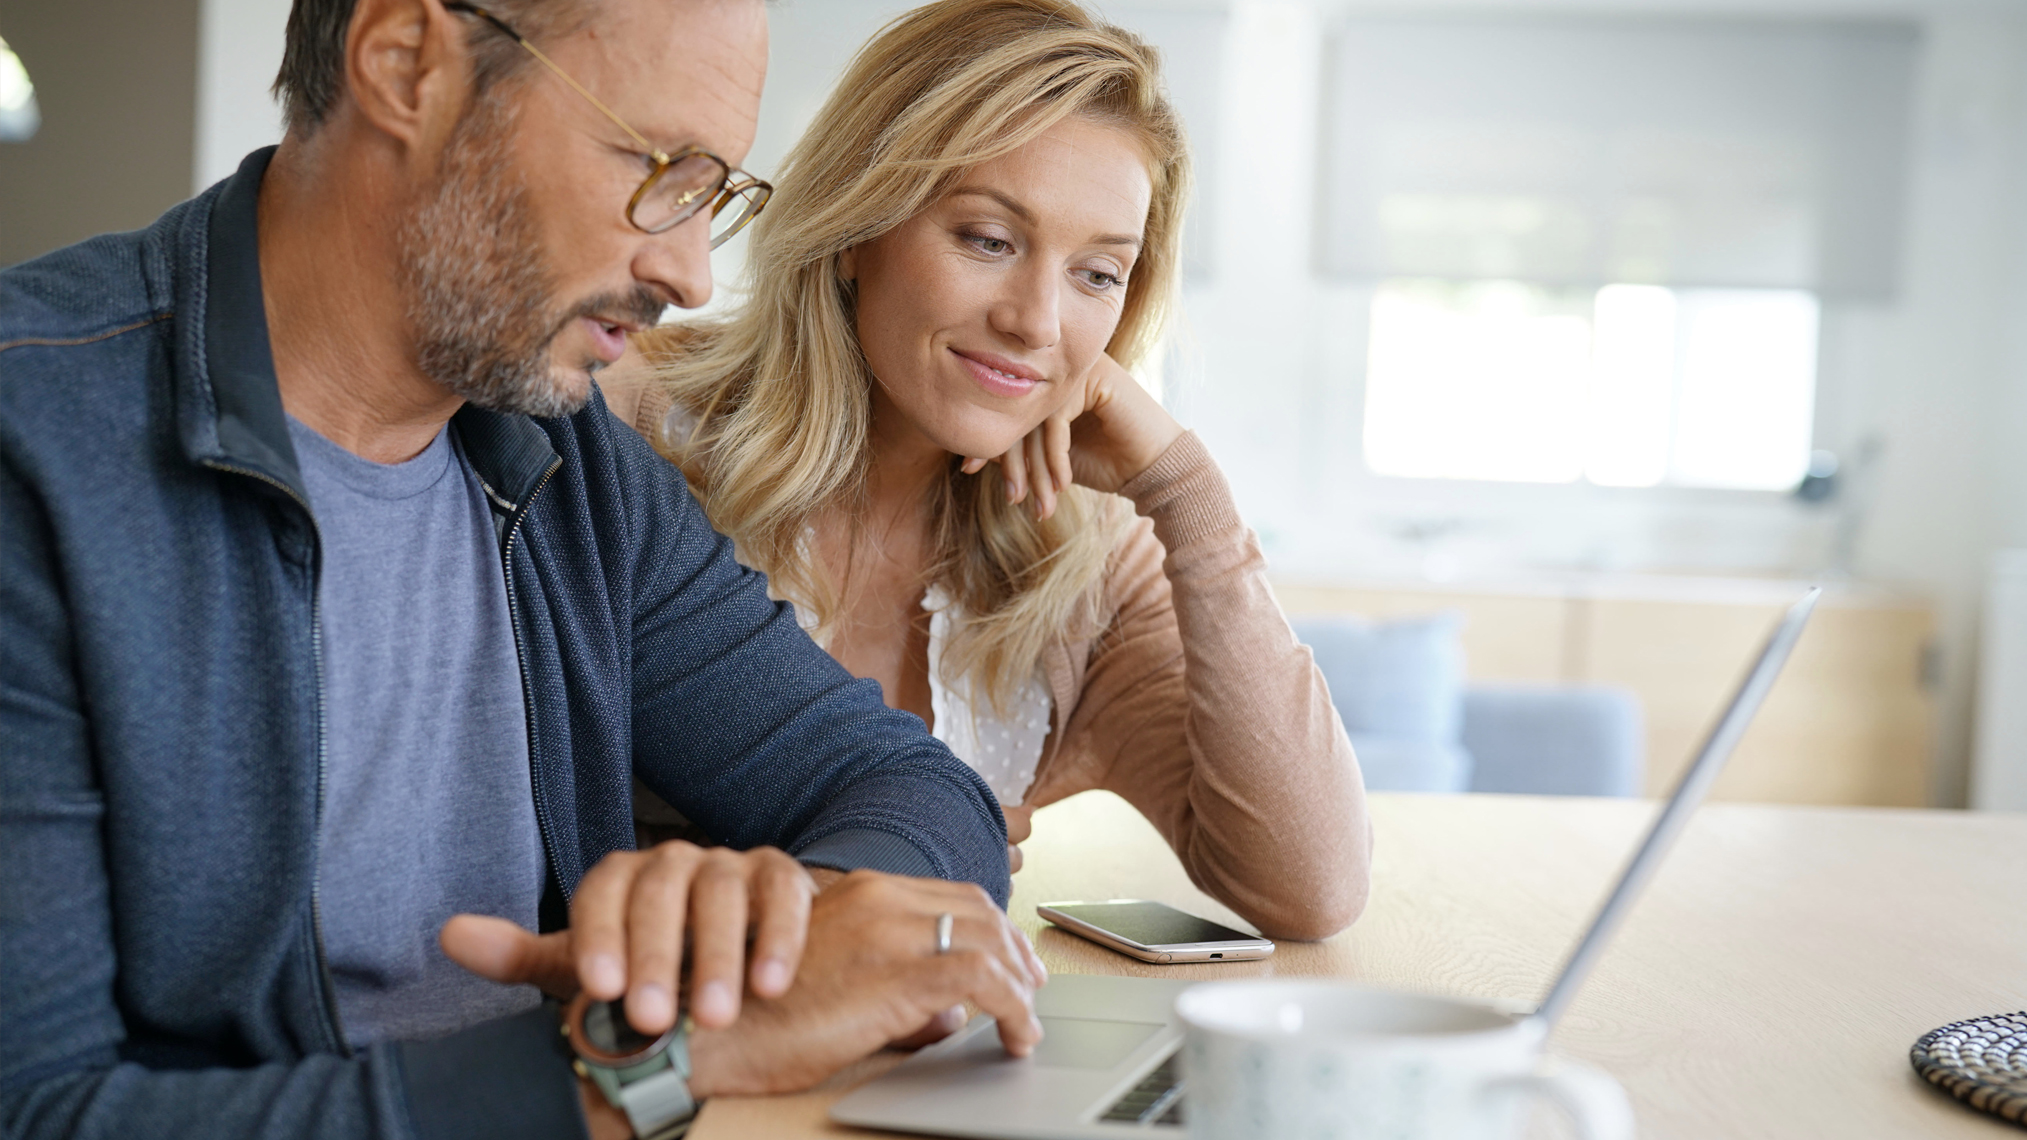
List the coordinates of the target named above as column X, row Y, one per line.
column 1151, row 923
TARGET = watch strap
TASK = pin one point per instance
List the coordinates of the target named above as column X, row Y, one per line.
column 655, row 1094
column 659, row 1107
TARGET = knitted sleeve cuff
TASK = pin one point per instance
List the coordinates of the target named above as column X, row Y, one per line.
column 1185, row 494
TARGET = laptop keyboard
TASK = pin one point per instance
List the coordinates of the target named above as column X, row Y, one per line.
column 1156, row 1100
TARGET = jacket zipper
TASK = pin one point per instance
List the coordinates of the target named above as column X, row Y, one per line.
column 328, row 986
column 521, row 659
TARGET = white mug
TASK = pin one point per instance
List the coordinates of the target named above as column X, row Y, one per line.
column 1327, row 1060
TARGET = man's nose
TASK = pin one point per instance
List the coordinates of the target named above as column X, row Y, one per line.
column 677, row 262
column 1031, row 310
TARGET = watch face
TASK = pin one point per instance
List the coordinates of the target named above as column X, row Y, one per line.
column 603, row 1035
column 606, row 1028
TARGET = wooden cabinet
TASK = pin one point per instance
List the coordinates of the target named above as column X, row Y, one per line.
column 1849, row 722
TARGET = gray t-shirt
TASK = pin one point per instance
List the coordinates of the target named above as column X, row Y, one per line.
column 428, row 806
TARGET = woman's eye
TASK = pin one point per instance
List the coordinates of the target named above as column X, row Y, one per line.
column 1099, row 279
column 987, row 244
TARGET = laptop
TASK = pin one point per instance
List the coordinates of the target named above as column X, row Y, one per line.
column 1107, row 1066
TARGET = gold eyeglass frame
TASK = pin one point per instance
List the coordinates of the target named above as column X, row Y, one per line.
column 752, row 190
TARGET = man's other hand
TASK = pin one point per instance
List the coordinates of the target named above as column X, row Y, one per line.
column 627, row 925
column 871, row 975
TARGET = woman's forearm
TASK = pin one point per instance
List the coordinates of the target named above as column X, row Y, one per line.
column 1268, row 811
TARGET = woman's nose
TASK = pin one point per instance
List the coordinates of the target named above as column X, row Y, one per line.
column 1031, row 311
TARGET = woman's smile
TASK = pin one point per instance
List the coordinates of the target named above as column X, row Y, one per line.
column 998, row 375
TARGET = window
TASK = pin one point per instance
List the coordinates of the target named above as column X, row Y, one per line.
column 1491, row 176
column 1627, row 386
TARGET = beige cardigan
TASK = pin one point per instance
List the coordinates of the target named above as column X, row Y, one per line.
column 1196, row 704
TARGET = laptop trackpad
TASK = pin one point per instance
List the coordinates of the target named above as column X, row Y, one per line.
column 1089, row 1043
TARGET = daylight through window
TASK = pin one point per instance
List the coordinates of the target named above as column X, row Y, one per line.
column 1628, row 385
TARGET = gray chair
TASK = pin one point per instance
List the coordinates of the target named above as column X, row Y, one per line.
column 1564, row 740
column 1396, row 685
column 1417, row 727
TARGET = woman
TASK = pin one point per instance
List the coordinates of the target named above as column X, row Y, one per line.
column 921, row 427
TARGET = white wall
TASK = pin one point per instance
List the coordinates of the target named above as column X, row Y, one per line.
column 2009, row 426
column 2001, row 780
column 239, row 49
column 1931, row 374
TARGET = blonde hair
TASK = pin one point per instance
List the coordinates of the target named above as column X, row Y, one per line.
column 781, row 392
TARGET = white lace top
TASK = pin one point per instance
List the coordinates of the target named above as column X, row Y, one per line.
column 1003, row 751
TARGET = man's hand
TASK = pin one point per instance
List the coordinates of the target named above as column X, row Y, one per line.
column 627, row 924
column 871, row 975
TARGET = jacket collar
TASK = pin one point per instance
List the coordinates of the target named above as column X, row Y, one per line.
column 510, row 454
column 245, row 426
column 239, row 420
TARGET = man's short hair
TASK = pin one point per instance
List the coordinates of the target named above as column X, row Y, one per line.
column 313, row 57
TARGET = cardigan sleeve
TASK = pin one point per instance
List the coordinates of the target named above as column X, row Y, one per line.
column 1200, row 708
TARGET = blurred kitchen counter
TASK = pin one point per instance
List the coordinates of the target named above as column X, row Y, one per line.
column 1850, row 721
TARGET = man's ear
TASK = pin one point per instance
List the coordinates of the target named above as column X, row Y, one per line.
column 406, row 69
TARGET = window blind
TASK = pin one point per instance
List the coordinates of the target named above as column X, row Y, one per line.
column 1580, row 151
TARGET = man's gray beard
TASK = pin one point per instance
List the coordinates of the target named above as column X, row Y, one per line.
column 478, row 289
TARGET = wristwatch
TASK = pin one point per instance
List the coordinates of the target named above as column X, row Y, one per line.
column 648, row 1078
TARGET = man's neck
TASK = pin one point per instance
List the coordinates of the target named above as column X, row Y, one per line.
column 336, row 325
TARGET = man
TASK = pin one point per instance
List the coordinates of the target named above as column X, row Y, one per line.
column 334, row 604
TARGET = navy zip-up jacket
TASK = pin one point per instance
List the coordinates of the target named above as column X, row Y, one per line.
column 161, row 762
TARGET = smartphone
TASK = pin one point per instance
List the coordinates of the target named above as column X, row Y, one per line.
column 1155, row 932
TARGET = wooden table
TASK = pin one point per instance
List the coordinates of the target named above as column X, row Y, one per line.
column 1768, row 984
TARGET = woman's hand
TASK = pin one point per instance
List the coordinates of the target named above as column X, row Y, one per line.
column 1020, row 823
column 1107, row 432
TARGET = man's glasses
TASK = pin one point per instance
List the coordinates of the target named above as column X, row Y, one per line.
column 678, row 185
